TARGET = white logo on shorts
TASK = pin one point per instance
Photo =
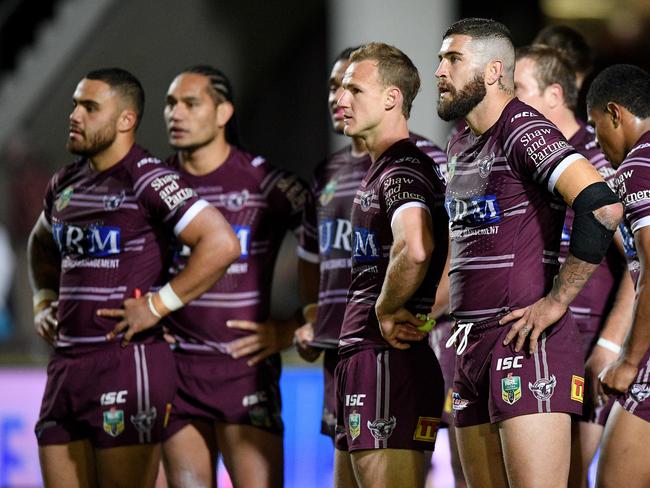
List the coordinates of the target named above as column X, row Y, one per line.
column 640, row 391
column 543, row 388
column 382, row 429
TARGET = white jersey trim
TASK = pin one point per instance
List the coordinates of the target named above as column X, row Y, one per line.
column 642, row 222
column 192, row 212
column 408, row 205
column 559, row 169
column 310, row 257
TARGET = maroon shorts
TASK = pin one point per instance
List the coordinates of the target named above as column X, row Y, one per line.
column 218, row 388
column 589, row 327
column 494, row 383
column 388, row 398
column 110, row 395
column 328, row 420
column 447, row 359
column 637, row 399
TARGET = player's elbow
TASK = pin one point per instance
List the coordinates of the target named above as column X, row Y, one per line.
column 419, row 252
column 610, row 215
column 229, row 246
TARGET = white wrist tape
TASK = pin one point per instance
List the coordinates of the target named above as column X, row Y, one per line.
column 44, row 294
column 609, row 345
column 170, row 298
column 152, row 307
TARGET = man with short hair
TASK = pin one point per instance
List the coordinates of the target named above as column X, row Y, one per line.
column 603, row 309
column 103, row 237
column 389, row 388
column 618, row 103
column 506, row 171
column 227, row 344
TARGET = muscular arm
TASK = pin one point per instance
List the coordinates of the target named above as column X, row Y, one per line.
column 441, row 305
column 410, row 255
column 574, row 273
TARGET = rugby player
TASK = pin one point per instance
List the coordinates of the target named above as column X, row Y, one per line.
column 227, row 346
column 326, row 241
column 546, row 81
column 618, row 103
column 507, row 171
column 102, row 243
column 389, row 388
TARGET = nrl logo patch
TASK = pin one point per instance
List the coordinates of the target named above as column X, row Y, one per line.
column 64, row 198
column 113, row 202
column 451, row 166
column 365, row 200
column 114, row 422
column 511, row 389
column 328, row 193
column 640, row 391
column 143, row 421
column 485, row 165
column 382, row 429
column 354, row 423
column 235, row 201
column 543, row 388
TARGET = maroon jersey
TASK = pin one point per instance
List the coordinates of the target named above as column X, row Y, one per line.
column 632, row 184
column 326, row 236
column 402, row 177
column 597, row 296
column 113, row 230
column 261, row 203
column 505, row 220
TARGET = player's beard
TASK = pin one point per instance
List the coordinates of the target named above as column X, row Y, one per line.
column 462, row 102
column 93, row 143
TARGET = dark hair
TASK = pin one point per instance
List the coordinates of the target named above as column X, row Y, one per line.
column 479, row 28
column 128, row 86
column 551, row 66
column 394, row 68
column 220, row 90
column 571, row 43
column 346, row 53
column 624, row 84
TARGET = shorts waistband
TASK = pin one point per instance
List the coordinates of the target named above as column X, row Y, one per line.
column 483, row 325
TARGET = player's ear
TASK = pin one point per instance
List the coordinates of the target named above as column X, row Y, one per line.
column 393, row 98
column 225, row 110
column 493, row 71
column 127, row 121
column 614, row 113
column 554, row 95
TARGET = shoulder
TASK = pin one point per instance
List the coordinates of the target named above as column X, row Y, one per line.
column 428, row 147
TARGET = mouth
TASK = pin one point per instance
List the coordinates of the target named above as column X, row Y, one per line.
column 443, row 90
column 337, row 113
column 75, row 133
column 176, row 132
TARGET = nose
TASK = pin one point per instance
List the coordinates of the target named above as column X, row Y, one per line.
column 75, row 114
column 441, row 70
column 343, row 100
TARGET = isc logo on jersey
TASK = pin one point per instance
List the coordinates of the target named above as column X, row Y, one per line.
column 334, row 234
column 366, row 245
column 476, row 210
column 96, row 240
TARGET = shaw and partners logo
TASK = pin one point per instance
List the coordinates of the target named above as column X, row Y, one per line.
column 474, row 210
column 334, row 234
column 95, row 240
column 366, row 245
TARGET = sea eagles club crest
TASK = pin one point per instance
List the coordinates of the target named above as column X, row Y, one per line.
column 543, row 388
column 365, row 200
column 485, row 165
column 381, row 429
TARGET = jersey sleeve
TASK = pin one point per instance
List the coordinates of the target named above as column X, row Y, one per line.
column 408, row 184
column 633, row 188
column 166, row 196
column 286, row 196
column 537, row 149
column 308, row 239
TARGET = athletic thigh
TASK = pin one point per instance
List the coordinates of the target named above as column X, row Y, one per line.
column 68, row 465
column 481, row 456
column 128, row 466
column 190, row 456
column 375, row 468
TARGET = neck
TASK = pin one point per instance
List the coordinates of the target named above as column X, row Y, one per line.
column 205, row 159
column 113, row 154
column 358, row 147
column 566, row 121
column 486, row 113
column 384, row 136
column 638, row 127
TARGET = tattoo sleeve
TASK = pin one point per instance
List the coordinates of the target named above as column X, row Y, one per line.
column 571, row 278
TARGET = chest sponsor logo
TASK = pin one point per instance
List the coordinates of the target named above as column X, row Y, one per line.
column 366, row 245
column 235, row 201
column 577, row 388
column 514, row 362
column 543, row 388
column 382, row 429
column 114, row 422
column 143, row 421
column 354, row 424
column 113, row 202
column 96, row 240
column 64, row 198
column 628, row 241
column 476, row 210
column 113, row 397
column 334, row 234
column 485, row 165
column 355, row 400
column 511, row 389
column 365, row 200
column 328, row 192
column 426, row 429
column 640, row 391
column 243, row 233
